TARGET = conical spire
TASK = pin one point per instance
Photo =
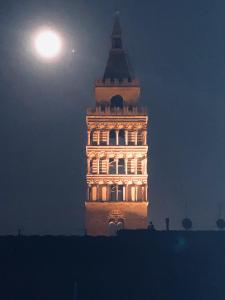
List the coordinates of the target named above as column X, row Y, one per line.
column 117, row 66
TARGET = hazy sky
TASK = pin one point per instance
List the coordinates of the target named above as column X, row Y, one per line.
column 177, row 49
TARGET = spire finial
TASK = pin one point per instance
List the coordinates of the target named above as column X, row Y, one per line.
column 116, row 25
column 116, row 32
column 117, row 12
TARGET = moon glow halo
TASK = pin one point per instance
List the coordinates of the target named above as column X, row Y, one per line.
column 47, row 44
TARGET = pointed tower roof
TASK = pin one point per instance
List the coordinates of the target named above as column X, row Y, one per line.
column 118, row 66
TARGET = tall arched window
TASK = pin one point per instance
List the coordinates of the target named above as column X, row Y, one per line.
column 120, row 224
column 122, row 137
column 113, row 192
column 112, row 228
column 116, row 102
column 121, row 166
column 112, row 166
column 112, row 137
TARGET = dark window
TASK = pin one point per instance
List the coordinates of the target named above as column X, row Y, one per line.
column 112, row 137
column 119, row 193
column 112, row 166
column 120, row 224
column 116, row 101
column 102, row 107
column 122, row 137
column 112, row 228
column 121, row 166
column 117, row 43
column 113, row 192
column 116, row 192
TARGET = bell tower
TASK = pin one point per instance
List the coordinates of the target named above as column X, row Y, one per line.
column 117, row 179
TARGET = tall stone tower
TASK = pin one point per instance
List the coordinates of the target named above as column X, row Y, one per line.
column 117, row 179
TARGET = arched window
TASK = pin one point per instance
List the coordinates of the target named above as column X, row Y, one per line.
column 112, row 228
column 116, row 101
column 121, row 166
column 120, row 224
column 122, row 137
column 112, row 137
column 112, row 166
column 113, row 192
column 116, row 192
column 120, row 193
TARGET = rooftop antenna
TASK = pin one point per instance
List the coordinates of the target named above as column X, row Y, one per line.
column 186, row 222
column 20, row 230
column 167, row 223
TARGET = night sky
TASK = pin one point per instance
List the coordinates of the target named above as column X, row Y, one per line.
column 177, row 49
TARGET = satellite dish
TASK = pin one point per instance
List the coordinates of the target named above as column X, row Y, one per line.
column 187, row 223
column 220, row 223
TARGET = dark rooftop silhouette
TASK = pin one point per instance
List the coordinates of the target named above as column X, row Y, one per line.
column 136, row 265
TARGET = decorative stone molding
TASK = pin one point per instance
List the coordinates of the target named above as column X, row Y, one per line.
column 119, row 153
column 116, row 125
column 121, row 179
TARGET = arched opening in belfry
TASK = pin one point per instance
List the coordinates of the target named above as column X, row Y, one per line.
column 116, row 102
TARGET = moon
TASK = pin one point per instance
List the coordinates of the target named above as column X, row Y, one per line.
column 48, row 44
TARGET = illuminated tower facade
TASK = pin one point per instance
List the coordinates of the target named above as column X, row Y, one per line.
column 117, row 179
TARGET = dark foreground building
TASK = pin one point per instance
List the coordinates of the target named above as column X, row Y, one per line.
column 135, row 265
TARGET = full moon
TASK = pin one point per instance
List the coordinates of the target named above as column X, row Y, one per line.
column 48, row 44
